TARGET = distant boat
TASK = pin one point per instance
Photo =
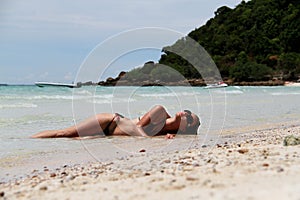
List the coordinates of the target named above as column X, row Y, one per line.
column 47, row 84
column 216, row 85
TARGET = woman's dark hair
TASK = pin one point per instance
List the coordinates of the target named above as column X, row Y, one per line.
column 192, row 130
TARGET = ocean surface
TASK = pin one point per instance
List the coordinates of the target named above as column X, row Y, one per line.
column 25, row 110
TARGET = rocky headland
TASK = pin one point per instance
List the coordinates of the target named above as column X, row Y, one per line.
column 121, row 80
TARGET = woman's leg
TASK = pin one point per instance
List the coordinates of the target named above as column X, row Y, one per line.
column 89, row 127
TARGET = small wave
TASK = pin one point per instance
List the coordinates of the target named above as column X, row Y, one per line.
column 110, row 101
column 230, row 92
column 105, row 96
column 158, row 95
column 174, row 94
column 21, row 105
column 39, row 97
column 235, row 92
column 284, row 93
column 53, row 97
column 98, row 101
column 45, row 119
column 83, row 92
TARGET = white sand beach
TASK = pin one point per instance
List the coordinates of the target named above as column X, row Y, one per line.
column 255, row 165
column 294, row 84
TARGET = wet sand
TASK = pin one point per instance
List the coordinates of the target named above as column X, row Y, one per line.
column 254, row 165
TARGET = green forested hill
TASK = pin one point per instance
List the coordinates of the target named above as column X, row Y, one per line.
column 258, row 40
column 254, row 41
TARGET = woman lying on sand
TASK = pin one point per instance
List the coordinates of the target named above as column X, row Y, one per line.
column 155, row 122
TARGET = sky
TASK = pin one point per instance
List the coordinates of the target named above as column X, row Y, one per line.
column 52, row 40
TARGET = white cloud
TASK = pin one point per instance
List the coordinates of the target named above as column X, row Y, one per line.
column 58, row 35
column 104, row 15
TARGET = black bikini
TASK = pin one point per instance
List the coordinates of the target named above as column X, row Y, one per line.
column 107, row 131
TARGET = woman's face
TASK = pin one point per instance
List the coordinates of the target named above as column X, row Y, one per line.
column 188, row 119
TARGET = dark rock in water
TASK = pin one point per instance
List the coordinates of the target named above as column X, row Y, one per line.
column 291, row 140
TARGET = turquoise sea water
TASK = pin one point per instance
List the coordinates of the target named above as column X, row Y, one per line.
column 25, row 110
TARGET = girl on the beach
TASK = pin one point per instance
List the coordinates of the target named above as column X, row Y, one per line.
column 155, row 122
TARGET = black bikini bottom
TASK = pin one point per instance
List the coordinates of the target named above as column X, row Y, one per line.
column 107, row 131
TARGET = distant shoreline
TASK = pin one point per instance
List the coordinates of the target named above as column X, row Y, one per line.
column 288, row 83
column 191, row 82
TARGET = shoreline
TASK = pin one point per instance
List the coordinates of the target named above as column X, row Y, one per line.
column 192, row 82
column 240, row 163
column 110, row 82
column 17, row 167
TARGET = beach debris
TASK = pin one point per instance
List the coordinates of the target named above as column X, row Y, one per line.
column 206, row 182
column 167, row 161
column 192, row 178
column 142, row 150
column 43, row 188
column 265, row 153
column 64, row 173
column 46, row 169
column 195, row 164
column 291, row 140
column 70, row 178
column 243, row 151
column 147, row 174
column 265, row 165
column 280, row 169
column 2, row 194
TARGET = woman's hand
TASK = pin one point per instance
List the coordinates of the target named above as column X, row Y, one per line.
column 169, row 136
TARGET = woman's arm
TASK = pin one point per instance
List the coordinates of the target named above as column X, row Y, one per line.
column 156, row 115
column 153, row 121
column 126, row 126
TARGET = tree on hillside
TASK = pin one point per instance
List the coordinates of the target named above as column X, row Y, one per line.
column 252, row 41
column 259, row 28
